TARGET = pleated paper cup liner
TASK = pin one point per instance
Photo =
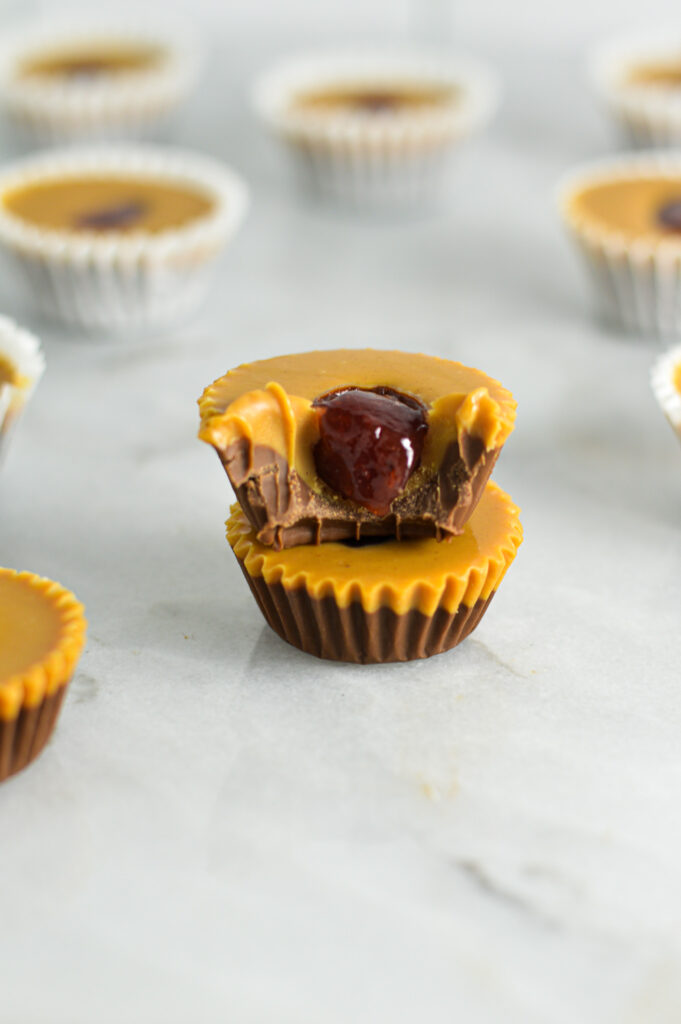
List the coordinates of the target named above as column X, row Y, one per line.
column 386, row 602
column 21, row 366
column 131, row 104
column 116, row 281
column 665, row 380
column 649, row 115
column 393, row 159
column 636, row 282
column 31, row 695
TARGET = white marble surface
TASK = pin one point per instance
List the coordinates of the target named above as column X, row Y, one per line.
column 225, row 829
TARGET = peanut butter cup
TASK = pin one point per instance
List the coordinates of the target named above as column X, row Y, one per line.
column 625, row 215
column 42, row 632
column 120, row 238
column 382, row 602
column 639, row 78
column 95, row 78
column 350, row 444
column 375, row 129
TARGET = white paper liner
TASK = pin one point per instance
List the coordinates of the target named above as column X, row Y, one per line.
column 649, row 114
column 359, row 157
column 130, row 104
column 119, row 281
column 664, row 388
column 23, row 352
column 637, row 283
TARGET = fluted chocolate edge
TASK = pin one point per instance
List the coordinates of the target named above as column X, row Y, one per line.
column 23, row 737
column 321, row 627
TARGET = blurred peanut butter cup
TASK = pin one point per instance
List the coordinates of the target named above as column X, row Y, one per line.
column 625, row 216
column 121, row 238
column 638, row 78
column 67, row 80
column 42, row 632
column 375, row 128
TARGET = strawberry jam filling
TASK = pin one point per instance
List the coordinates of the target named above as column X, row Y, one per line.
column 669, row 215
column 370, row 442
column 111, row 218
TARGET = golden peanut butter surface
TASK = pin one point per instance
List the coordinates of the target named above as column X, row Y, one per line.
column 629, row 206
column 30, row 625
column 420, row 573
column 113, row 204
column 374, row 97
column 91, row 60
column 269, row 403
column 665, row 74
column 42, row 632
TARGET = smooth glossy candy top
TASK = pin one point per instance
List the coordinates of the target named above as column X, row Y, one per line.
column 370, row 442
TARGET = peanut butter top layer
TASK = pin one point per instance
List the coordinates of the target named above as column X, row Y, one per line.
column 423, row 573
column 42, row 631
column 269, row 403
column 377, row 97
column 113, row 204
column 666, row 74
column 92, row 60
column 635, row 208
column 30, row 626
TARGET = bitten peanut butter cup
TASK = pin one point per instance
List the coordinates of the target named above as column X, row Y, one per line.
column 353, row 444
column 383, row 601
column 42, row 632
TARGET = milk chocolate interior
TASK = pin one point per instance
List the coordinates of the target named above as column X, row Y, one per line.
column 285, row 511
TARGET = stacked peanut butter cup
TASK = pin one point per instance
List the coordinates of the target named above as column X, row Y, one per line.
column 365, row 526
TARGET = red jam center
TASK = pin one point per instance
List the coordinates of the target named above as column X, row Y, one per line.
column 669, row 215
column 110, row 218
column 370, row 442
column 376, row 102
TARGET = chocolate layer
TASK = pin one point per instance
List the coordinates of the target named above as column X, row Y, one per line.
column 285, row 512
column 323, row 628
column 22, row 738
